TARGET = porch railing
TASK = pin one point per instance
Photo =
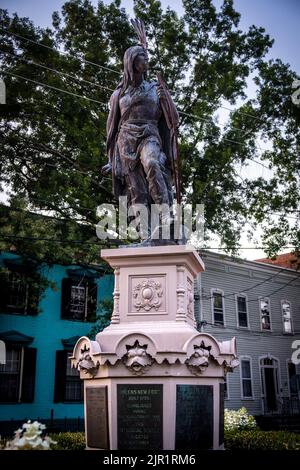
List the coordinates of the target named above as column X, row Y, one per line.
column 289, row 406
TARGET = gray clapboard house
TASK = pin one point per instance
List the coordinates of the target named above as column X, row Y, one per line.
column 259, row 304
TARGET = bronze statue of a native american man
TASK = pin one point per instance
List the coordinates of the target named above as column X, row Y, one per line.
column 140, row 141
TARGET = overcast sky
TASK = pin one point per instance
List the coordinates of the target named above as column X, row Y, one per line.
column 280, row 18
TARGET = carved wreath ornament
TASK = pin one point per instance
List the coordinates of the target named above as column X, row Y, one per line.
column 147, row 295
column 137, row 360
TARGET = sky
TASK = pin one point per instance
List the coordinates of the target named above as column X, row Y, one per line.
column 280, row 18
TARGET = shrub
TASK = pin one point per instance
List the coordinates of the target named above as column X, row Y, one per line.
column 69, row 441
column 238, row 420
column 30, row 437
column 261, row 440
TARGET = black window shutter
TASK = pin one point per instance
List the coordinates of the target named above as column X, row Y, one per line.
column 66, row 297
column 60, row 376
column 4, row 291
column 92, row 301
column 28, row 382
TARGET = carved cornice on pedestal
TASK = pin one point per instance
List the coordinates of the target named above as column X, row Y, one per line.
column 137, row 360
column 199, row 361
column 83, row 356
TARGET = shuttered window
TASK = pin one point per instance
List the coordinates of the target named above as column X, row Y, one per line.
column 68, row 385
column 17, row 376
column 79, row 299
column 19, row 293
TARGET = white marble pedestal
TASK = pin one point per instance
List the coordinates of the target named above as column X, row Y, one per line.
column 151, row 380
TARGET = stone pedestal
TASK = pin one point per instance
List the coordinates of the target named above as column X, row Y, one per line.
column 151, row 380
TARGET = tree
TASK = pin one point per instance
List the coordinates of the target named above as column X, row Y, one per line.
column 53, row 143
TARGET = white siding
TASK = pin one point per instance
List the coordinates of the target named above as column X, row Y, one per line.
column 255, row 280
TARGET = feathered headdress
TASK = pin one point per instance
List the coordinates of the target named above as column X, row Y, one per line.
column 140, row 30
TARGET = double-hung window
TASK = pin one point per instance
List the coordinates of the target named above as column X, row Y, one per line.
column 246, row 378
column 286, row 316
column 242, row 314
column 265, row 314
column 79, row 299
column 218, row 307
column 17, row 375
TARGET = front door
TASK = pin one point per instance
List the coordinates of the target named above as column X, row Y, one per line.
column 270, row 388
column 271, row 398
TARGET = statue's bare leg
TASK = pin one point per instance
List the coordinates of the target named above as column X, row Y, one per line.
column 149, row 157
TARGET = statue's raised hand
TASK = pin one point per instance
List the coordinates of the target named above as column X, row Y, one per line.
column 106, row 168
column 161, row 92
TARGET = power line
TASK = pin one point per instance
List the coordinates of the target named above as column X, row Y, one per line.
column 247, row 331
column 118, row 73
column 94, row 84
column 241, row 247
column 105, row 104
column 61, row 52
column 4, row 237
column 80, row 241
column 205, row 119
column 52, row 87
column 249, row 288
column 242, row 112
column 82, row 208
column 73, row 77
column 50, row 217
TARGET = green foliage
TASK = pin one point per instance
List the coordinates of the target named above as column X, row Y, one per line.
column 261, row 440
column 53, row 143
column 68, row 441
column 238, row 420
column 35, row 283
column 103, row 319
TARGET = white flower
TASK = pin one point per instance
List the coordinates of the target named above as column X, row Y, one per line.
column 30, row 438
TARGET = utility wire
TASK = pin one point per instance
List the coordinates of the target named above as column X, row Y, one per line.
column 249, row 332
column 52, row 87
column 4, row 237
column 105, row 104
column 112, row 70
column 115, row 239
column 31, row 62
column 73, row 77
column 61, row 52
column 249, row 288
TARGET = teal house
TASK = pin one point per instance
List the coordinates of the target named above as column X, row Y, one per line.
column 43, row 311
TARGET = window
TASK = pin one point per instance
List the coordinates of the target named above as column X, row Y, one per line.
column 242, row 315
column 17, row 376
column 286, row 316
column 79, row 299
column 19, row 292
column 68, row 385
column 218, row 308
column 246, row 378
column 265, row 315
